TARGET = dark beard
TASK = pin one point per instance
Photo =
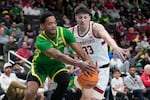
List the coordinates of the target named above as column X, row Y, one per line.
column 133, row 75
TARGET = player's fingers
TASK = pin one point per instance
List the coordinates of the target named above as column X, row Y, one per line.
column 87, row 73
column 96, row 63
column 92, row 69
column 122, row 56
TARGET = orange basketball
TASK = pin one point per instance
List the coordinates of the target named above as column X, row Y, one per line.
column 87, row 81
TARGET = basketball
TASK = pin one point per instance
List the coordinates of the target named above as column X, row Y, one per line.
column 87, row 81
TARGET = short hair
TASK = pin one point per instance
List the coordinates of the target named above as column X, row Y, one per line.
column 132, row 67
column 44, row 16
column 146, row 66
column 116, row 70
column 82, row 10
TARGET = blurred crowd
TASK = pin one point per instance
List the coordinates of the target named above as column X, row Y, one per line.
column 127, row 21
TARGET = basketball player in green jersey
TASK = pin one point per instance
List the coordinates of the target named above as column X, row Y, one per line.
column 49, row 59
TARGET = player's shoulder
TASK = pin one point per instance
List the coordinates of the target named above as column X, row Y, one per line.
column 97, row 25
column 72, row 28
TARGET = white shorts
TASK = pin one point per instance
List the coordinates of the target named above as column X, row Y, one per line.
column 98, row 91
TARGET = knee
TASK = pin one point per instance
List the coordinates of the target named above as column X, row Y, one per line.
column 29, row 93
column 63, row 78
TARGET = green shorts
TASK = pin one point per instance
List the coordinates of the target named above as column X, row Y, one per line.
column 43, row 71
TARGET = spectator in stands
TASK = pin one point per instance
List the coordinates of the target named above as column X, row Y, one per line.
column 27, row 9
column 123, row 12
column 139, row 68
column 11, row 84
column 96, row 18
column 11, row 44
column 19, row 19
column 114, row 13
column 4, row 8
column 27, row 2
column 7, row 21
column 135, row 55
column 66, row 22
column 105, row 17
column 146, row 29
column 16, row 31
column 141, row 21
column 121, row 65
column 35, row 11
column 16, row 8
column 146, row 76
column 29, row 32
column 144, row 42
column 131, row 35
column 120, row 30
column 19, row 70
column 135, row 84
column 4, row 38
column 23, row 39
column 124, row 44
column 29, row 36
column 24, row 51
column 118, row 87
column 94, row 10
column 109, row 4
column 145, row 59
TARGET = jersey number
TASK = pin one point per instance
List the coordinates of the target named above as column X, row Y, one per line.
column 88, row 49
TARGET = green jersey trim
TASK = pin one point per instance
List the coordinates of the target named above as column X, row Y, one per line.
column 59, row 72
column 45, row 37
column 34, row 74
column 61, row 31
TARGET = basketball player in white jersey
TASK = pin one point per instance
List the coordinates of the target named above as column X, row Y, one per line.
column 94, row 39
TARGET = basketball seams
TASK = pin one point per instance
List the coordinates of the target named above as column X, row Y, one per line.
column 86, row 80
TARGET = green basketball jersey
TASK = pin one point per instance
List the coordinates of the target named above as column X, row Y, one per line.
column 43, row 43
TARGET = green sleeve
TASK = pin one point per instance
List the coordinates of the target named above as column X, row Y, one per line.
column 69, row 37
column 43, row 44
column 71, row 50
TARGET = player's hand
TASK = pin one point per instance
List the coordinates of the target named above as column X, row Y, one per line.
column 87, row 67
column 121, row 52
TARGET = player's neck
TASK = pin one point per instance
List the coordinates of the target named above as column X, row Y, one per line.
column 83, row 29
column 51, row 36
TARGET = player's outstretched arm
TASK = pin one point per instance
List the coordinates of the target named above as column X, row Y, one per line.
column 101, row 32
column 84, row 66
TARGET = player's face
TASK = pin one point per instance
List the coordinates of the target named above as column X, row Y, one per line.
column 83, row 19
column 50, row 25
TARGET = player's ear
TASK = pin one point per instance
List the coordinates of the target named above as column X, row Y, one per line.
column 75, row 16
column 41, row 26
column 90, row 16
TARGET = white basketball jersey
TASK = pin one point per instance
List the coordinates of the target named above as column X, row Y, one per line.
column 97, row 48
